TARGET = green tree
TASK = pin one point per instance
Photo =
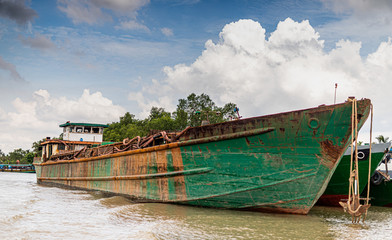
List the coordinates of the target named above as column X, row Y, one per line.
column 28, row 158
column 128, row 119
column 190, row 112
column 196, row 108
column 128, row 127
column 17, row 154
column 159, row 120
column 2, row 156
column 156, row 113
column 382, row 139
column 36, row 146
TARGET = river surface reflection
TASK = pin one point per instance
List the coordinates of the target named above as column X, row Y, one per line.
column 32, row 211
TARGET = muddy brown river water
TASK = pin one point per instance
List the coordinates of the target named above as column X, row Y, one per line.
column 32, row 211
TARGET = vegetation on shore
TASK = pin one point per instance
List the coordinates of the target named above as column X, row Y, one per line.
column 190, row 112
column 24, row 157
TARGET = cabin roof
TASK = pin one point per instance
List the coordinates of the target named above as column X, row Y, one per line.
column 84, row 124
column 67, row 142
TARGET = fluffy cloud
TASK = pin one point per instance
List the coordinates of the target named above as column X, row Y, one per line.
column 17, row 11
column 289, row 70
column 33, row 120
column 89, row 107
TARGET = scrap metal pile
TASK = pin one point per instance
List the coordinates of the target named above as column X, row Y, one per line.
column 126, row 145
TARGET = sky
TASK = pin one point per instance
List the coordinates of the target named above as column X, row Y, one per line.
column 95, row 60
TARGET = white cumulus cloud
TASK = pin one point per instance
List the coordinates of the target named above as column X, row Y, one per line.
column 289, row 70
column 33, row 120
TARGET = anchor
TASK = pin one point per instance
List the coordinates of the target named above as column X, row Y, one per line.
column 353, row 205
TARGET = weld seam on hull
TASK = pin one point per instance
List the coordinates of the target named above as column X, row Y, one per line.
column 167, row 146
column 252, row 188
column 134, row 177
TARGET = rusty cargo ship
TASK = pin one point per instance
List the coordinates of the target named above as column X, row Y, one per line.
column 277, row 163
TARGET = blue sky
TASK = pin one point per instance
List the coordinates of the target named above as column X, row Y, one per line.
column 94, row 60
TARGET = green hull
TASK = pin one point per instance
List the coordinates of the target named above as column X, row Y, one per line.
column 279, row 163
column 381, row 195
column 338, row 185
column 380, row 189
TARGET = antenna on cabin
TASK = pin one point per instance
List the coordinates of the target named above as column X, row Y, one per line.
column 334, row 99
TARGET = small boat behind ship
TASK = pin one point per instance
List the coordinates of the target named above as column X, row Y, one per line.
column 338, row 186
column 276, row 163
column 381, row 184
column 25, row 168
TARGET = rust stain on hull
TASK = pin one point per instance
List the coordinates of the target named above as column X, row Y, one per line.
column 179, row 181
column 330, row 153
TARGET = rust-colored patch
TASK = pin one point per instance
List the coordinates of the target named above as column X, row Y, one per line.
column 330, row 153
column 304, row 171
column 162, row 168
column 179, row 181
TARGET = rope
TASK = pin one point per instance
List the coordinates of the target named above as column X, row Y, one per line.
column 354, row 173
column 352, row 149
column 353, row 200
column 370, row 158
column 356, row 149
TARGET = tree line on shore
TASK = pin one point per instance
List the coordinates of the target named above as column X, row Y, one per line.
column 23, row 156
column 190, row 111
